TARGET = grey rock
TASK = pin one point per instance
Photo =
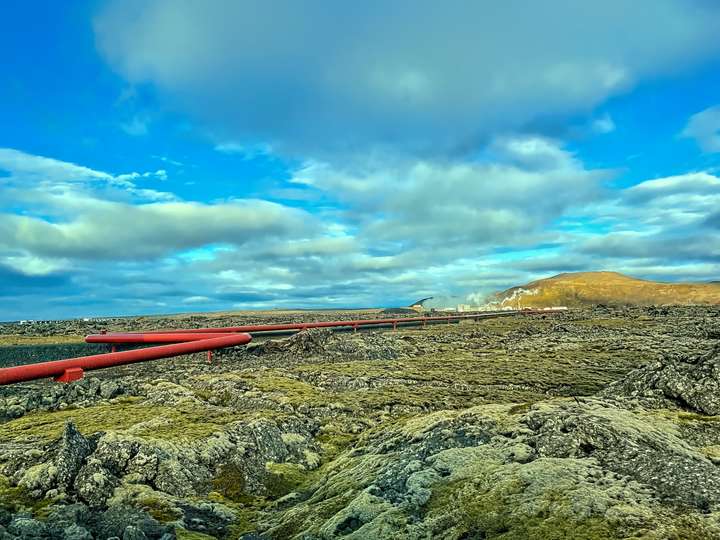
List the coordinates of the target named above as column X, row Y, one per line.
column 152, row 528
column 115, row 452
column 133, row 533
column 116, row 520
column 28, row 528
column 65, row 516
column 625, row 444
column 15, row 411
column 687, row 381
column 307, row 342
column 76, row 532
column 94, row 484
column 73, row 451
column 212, row 519
column 110, row 389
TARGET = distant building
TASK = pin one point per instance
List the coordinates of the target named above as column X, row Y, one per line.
column 419, row 305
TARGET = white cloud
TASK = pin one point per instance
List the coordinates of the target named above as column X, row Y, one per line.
column 704, row 127
column 31, row 265
column 137, row 126
column 121, row 231
column 74, row 212
column 166, row 159
column 473, row 205
column 533, row 153
column 399, row 229
column 247, row 151
column 413, row 74
column 39, row 168
column 662, row 219
column 196, row 300
column 604, row 124
column 55, row 178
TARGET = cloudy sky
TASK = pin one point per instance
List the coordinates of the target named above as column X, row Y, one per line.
column 174, row 155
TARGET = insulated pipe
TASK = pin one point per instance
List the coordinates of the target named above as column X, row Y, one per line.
column 147, row 337
column 73, row 369
column 324, row 324
column 166, row 337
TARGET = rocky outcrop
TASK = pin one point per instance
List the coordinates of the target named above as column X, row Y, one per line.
column 78, row 522
column 302, row 344
column 560, row 469
column 71, row 455
column 497, row 429
column 691, row 382
column 647, row 450
column 15, row 402
column 90, row 470
column 322, row 345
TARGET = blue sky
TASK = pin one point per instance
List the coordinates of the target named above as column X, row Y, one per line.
column 166, row 155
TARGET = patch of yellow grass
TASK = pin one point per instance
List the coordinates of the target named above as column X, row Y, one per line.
column 19, row 339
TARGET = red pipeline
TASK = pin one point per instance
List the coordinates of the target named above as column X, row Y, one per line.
column 73, row 369
column 127, row 337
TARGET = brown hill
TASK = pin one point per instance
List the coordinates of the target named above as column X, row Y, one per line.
column 610, row 288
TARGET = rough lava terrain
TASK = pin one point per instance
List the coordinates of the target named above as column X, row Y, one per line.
column 598, row 423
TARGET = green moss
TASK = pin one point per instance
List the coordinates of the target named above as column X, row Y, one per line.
column 291, row 390
column 245, row 522
column 222, row 399
column 546, row 500
column 183, row 422
column 230, row 483
column 693, row 417
column 230, row 489
column 184, row 534
column 190, row 423
column 461, row 376
column 17, row 499
column 688, row 527
column 203, row 394
column 19, row 339
column 615, row 322
column 333, row 441
column 283, row 478
column 490, row 514
column 520, row 409
column 160, row 510
column 464, row 369
column 248, row 511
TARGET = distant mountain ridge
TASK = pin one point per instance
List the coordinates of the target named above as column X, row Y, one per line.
column 578, row 289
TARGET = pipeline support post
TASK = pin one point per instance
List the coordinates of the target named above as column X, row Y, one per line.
column 70, row 375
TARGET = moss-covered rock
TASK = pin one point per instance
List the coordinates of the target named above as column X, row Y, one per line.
column 481, row 430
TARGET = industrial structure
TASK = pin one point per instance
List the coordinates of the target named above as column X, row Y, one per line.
column 189, row 341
